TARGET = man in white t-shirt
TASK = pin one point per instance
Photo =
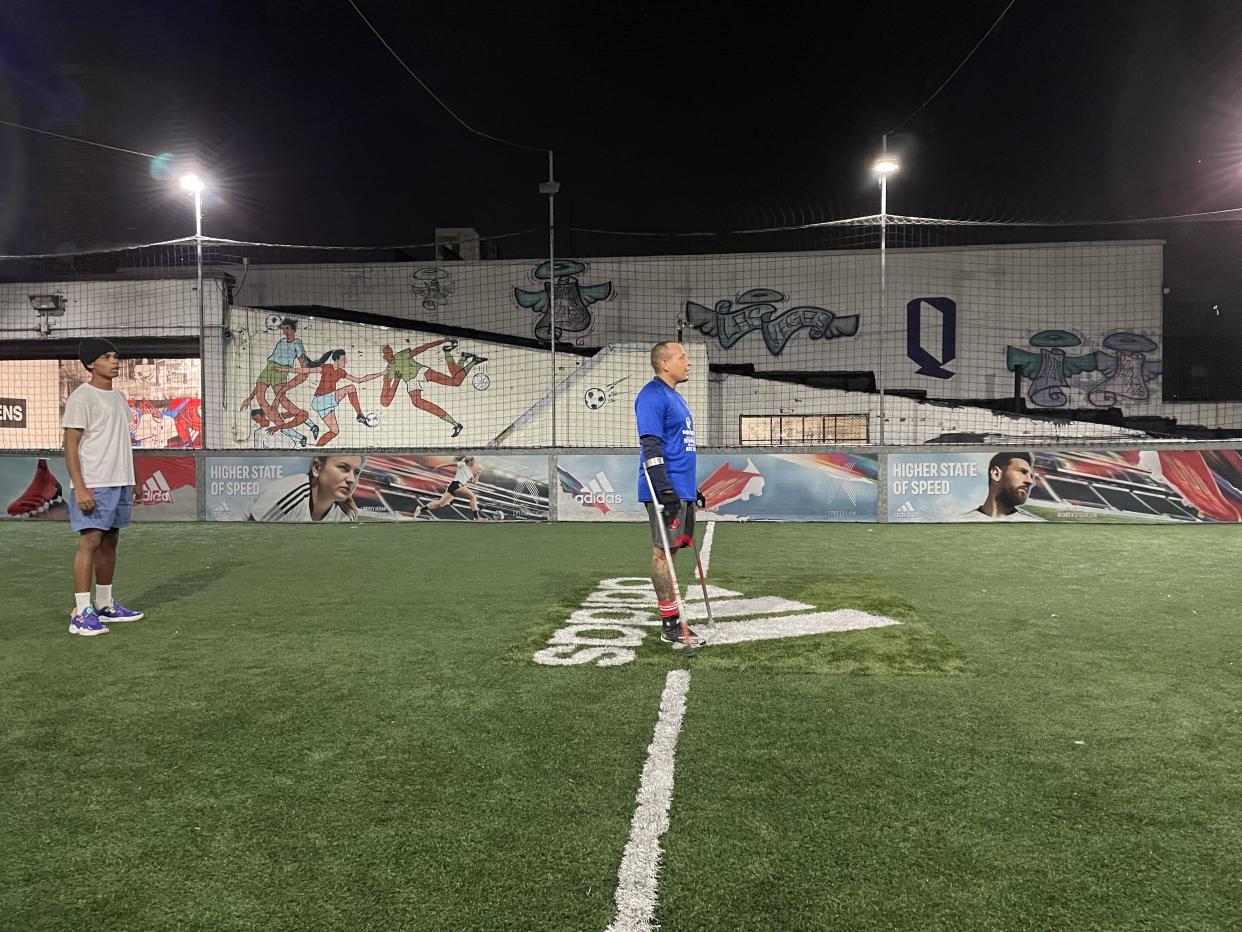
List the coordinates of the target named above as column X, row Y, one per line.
column 100, row 460
column 1011, row 476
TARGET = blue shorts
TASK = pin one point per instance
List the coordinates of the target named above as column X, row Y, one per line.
column 114, row 508
column 324, row 404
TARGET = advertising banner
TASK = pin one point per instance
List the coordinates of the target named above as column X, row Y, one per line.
column 332, row 488
column 33, row 488
column 740, row 487
column 1129, row 486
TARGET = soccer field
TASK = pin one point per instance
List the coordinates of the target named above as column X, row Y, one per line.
column 344, row 728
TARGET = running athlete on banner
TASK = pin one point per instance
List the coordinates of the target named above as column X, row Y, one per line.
column 467, row 473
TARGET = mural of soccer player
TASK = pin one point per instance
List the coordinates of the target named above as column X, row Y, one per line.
column 325, row 492
column 267, row 436
column 403, row 367
column 468, row 472
column 275, row 375
column 331, row 369
column 1011, row 476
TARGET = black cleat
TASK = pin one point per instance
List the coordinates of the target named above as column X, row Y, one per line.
column 457, row 429
column 472, row 359
column 314, row 429
column 672, row 634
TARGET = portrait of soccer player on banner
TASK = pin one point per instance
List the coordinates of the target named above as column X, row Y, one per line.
column 1011, row 476
column 325, row 492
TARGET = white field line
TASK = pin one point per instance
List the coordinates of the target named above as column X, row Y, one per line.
column 706, row 552
column 637, row 880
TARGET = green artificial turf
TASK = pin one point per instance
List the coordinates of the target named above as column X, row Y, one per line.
column 341, row 728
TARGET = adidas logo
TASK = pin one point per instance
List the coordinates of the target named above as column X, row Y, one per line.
column 616, row 618
column 599, row 490
column 906, row 509
column 156, row 490
column 222, row 512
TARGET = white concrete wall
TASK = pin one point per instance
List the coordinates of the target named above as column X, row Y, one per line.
column 162, row 307
column 1083, row 294
column 595, row 403
column 1002, row 296
column 907, row 421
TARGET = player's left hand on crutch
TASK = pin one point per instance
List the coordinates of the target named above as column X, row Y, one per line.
column 670, row 509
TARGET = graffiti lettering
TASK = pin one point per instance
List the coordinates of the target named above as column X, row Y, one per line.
column 756, row 310
column 929, row 364
column 1126, row 370
column 562, row 290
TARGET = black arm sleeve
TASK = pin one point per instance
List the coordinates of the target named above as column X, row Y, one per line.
column 653, row 458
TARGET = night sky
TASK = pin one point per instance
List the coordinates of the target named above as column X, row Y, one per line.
column 670, row 116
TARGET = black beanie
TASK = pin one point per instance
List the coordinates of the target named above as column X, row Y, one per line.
column 92, row 348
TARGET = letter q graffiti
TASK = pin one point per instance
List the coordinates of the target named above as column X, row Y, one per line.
column 929, row 364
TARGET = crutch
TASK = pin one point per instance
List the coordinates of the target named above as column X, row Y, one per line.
column 707, row 602
column 668, row 556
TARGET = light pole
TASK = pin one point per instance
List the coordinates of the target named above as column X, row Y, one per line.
column 192, row 184
column 884, row 166
column 550, row 188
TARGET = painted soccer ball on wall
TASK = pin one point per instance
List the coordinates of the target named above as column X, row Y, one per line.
column 372, row 420
column 481, row 381
column 595, row 398
column 273, row 321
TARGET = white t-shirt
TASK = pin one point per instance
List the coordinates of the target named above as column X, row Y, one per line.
column 976, row 515
column 465, row 475
column 289, row 500
column 105, row 451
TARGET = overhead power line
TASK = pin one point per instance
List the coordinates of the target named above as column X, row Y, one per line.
column 946, row 81
column 436, row 97
column 85, row 142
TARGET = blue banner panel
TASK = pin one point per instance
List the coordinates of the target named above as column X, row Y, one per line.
column 737, row 487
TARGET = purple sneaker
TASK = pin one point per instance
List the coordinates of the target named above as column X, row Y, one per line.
column 86, row 623
column 118, row 612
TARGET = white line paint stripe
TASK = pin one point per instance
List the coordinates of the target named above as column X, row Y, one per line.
column 706, row 552
column 740, row 608
column 640, row 865
column 787, row 626
column 713, row 592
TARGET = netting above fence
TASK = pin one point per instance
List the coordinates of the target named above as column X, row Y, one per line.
column 808, row 336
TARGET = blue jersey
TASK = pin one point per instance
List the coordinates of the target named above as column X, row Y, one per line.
column 663, row 413
column 286, row 353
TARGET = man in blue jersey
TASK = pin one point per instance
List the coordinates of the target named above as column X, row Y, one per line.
column 666, row 438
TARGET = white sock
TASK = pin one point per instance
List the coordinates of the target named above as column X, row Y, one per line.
column 103, row 596
column 84, row 601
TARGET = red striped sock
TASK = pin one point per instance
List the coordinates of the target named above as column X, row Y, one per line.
column 668, row 612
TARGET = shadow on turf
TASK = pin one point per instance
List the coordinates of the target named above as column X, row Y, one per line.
column 188, row 583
